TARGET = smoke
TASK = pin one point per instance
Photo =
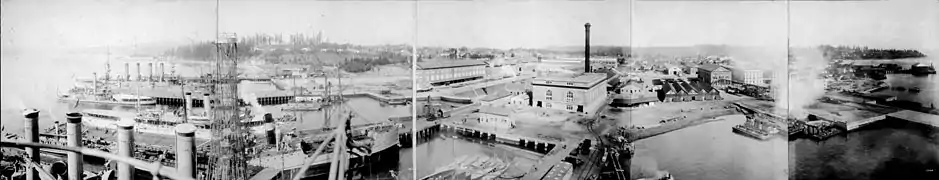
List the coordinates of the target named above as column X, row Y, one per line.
column 803, row 82
column 647, row 168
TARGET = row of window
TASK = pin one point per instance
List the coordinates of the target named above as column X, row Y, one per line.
column 570, row 96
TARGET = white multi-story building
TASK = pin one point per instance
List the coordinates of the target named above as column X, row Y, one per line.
column 439, row 72
column 585, row 92
column 747, row 76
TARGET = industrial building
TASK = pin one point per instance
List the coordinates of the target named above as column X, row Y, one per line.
column 677, row 90
column 496, row 116
column 714, row 75
column 583, row 92
column 635, row 93
column 442, row 72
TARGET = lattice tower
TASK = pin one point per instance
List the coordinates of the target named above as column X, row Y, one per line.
column 229, row 136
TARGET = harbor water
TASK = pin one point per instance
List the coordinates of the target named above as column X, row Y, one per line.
column 710, row 151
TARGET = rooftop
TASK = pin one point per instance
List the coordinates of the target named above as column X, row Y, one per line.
column 710, row 67
column 447, row 63
column 586, row 78
column 558, row 171
column 494, row 110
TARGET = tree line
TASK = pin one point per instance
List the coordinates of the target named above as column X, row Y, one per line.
column 860, row 53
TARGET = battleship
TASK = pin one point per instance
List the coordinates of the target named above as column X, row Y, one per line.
column 82, row 96
column 161, row 122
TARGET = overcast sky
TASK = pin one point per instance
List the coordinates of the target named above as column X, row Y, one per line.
column 500, row 24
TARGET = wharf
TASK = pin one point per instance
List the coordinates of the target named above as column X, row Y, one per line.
column 917, row 117
column 552, row 159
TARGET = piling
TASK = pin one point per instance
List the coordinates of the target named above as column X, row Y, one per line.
column 73, row 134
column 185, row 150
column 206, row 104
column 125, row 148
column 32, row 135
column 188, row 99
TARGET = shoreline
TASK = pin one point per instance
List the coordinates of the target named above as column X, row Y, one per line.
column 636, row 135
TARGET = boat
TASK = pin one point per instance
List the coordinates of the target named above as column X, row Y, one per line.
column 304, row 103
column 107, row 98
column 914, row 89
column 157, row 122
column 474, row 167
column 753, row 129
column 922, row 69
column 667, row 176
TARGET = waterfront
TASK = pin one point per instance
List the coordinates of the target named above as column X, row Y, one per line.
column 929, row 84
column 710, row 152
column 887, row 150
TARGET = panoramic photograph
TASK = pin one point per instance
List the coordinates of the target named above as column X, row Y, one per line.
column 469, row 90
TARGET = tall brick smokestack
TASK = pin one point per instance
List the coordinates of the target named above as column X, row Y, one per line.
column 587, row 48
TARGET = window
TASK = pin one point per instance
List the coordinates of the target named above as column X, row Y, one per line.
column 569, row 107
column 547, row 95
column 570, row 96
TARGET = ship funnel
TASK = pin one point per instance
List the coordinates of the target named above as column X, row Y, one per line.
column 127, row 71
column 188, row 99
column 139, row 75
column 150, row 67
column 207, row 104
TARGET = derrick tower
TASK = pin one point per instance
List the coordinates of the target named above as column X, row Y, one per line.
column 229, row 136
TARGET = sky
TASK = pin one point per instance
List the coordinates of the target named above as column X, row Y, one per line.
column 498, row 24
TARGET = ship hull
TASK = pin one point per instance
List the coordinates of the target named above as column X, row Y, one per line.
column 72, row 100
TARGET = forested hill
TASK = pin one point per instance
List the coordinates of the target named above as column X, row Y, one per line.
column 864, row 53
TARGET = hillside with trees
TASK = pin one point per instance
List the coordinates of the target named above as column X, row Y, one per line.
column 865, row 53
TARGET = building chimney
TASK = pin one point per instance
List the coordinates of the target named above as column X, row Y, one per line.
column 587, row 48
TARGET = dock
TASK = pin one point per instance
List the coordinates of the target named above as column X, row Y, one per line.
column 917, row 117
column 552, row 159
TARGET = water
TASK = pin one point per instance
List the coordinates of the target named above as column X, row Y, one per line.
column 711, row 152
column 892, row 151
column 929, row 84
